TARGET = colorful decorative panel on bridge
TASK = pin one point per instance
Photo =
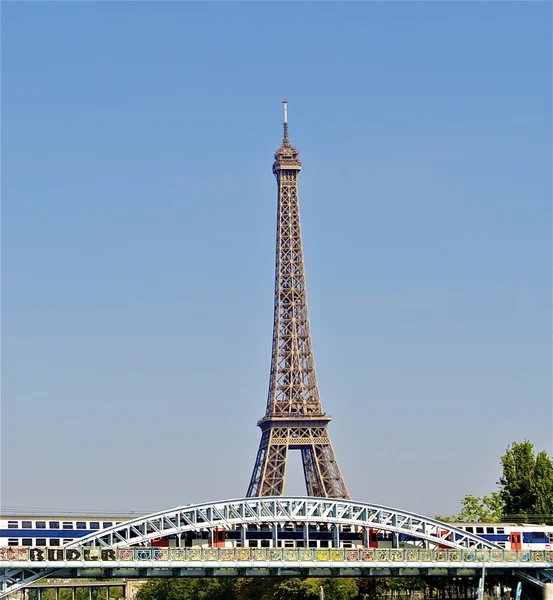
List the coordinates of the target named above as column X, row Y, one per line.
column 301, row 555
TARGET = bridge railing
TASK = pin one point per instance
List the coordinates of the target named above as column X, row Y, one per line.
column 384, row 555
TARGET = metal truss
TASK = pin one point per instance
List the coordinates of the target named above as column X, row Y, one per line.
column 294, row 417
column 230, row 514
column 272, row 511
column 538, row 577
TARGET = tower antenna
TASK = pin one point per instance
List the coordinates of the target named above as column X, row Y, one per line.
column 285, row 106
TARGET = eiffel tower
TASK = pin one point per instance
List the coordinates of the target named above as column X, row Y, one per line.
column 294, row 418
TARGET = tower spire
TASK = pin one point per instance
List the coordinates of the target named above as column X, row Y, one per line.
column 285, row 139
column 294, row 418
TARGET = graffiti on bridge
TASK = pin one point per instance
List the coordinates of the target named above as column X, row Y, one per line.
column 384, row 555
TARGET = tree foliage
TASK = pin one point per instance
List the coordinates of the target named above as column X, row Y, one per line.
column 220, row 588
column 488, row 509
column 270, row 588
column 527, row 482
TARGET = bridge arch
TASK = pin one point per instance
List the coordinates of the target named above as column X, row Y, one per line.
column 280, row 509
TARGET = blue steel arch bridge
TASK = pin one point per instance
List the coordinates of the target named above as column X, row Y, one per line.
column 416, row 545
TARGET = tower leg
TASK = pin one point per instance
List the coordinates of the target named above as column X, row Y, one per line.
column 322, row 474
column 269, row 471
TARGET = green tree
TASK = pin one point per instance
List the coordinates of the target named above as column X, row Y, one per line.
column 165, row 589
column 340, row 588
column 371, row 588
column 527, row 482
column 488, row 509
column 297, row 589
column 220, row 588
column 256, row 588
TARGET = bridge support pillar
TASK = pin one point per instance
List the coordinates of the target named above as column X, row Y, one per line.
column 548, row 591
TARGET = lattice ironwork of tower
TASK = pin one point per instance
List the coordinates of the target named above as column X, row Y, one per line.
column 294, row 418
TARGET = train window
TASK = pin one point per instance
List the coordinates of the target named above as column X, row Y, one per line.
column 26, row 524
column 81, row 525
column 26, row 542
column 67, row 525
column 40, row 542
column 253, row 543
column 67, row 541
column 324, row 543
column 500, row 530
column 346, row 544
column 13, row 525
column 469, row 529
column 479, row 530
column 289, row 544
column 54, row 542
column 265, row 543
column 12, row 542
column 54, row 524
column 106, row 524
column 300, row 544
column 41, row 524
column 489, row 529
column 94, row 525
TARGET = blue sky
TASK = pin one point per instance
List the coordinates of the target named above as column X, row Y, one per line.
column 138, row 243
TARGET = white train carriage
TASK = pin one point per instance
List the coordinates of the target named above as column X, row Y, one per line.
column 34, row 531
column 513, row 536
column 17, row 530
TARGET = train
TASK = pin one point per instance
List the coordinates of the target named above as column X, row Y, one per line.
column 52, row 531
column 513, row 536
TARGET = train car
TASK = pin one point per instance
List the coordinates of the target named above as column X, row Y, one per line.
column 38, row 531
column 18, row 530
column 513, row 536
column 34, row 531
